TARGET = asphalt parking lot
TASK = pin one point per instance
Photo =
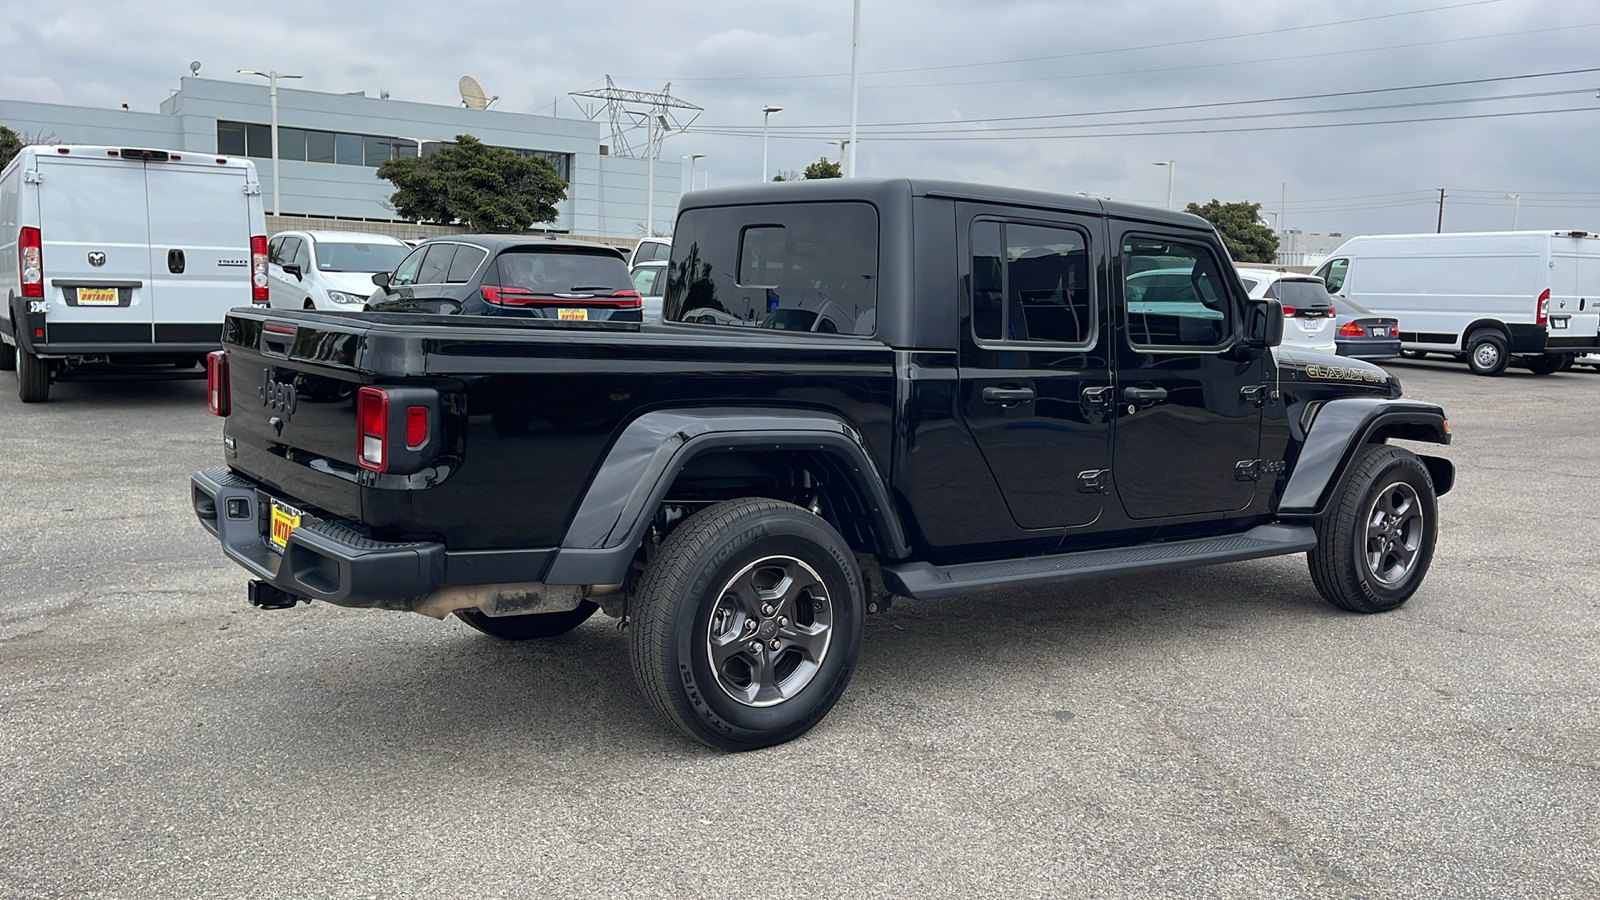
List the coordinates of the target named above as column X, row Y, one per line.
column 1220, row 732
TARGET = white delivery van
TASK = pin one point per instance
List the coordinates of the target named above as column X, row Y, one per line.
column 1486, row 298
column 112, row 257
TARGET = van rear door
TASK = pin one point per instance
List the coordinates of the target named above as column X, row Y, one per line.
column 200, row 229
column 1574, row 287
column 94, row 235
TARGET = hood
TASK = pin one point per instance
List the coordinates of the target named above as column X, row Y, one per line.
column 1317, row 374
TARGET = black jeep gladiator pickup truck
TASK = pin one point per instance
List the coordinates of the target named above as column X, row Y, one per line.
column 861, row 389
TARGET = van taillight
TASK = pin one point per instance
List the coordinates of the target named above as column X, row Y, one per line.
column 217, row 383
column 1541, row 313
column 372, row 414
column 258, row 269
column 31, row 262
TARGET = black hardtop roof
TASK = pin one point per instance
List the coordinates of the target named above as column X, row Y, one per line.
column 496, row 242
column 885, row 190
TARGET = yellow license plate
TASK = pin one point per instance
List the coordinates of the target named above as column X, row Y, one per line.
column 573, row 315
column 97, row 296
column 285, row 519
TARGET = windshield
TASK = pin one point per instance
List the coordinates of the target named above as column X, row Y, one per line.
column 343, row 257
column 546, row 271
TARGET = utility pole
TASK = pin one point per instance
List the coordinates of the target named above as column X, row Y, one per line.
column 1439, row 229
column 841, row 144
column 855, row 63
column 1516, row 204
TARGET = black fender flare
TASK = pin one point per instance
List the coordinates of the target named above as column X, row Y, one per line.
column 21, row 322
column 647, row 456
column 1340, row 427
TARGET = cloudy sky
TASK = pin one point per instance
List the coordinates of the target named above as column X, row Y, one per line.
column 1252, row 99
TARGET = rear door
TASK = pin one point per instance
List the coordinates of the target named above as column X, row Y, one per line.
column 95, row 237
column 1574, row 287
column 199, row 248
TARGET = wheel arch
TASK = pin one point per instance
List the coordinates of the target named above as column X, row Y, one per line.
column 1341, row 427
column 664, row 450
column 1479, row 325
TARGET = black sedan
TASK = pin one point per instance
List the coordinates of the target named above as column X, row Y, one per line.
column 1364, row 334
column 510, row 275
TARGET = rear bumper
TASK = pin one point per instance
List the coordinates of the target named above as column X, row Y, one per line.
column 322, row 560
column 1370, row 349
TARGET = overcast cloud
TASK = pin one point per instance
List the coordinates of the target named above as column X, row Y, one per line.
column 978, row 60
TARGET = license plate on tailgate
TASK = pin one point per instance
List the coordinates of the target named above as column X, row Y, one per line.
column 573, row 315
column 285, row 519
column 88, row 296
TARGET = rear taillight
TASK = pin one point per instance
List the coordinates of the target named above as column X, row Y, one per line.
column 372, row 414
column 1541, row 313
column 217, row 383
column 30, row 261
column 1351, row 329
column 258, row 269
column 1288, row 310
column 504, row 296
column 512, row 296
column 627, row 300
column 416, row 427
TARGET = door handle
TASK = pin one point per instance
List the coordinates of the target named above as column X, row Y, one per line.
column 1007, row 396
column 1144, row 395
column 175, row 262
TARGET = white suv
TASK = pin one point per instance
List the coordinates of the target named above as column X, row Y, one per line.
column 1310, row 320
column 329, row 270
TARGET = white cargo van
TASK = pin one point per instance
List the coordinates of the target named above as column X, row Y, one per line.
column 1486, row 298
column 113, row 257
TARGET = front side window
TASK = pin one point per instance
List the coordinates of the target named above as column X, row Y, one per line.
column 273, row 246
column 1334, row 274
column 287, row 251
column 407, row 271
column 1031, row 283
column 802, row 267
column 1175, row 294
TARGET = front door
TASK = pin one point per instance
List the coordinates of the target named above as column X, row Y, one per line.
column 1035, row 373
column 1188, row 422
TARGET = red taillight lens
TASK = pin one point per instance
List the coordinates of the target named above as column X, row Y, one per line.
column 258, row 269
column 1288, row 310
column 627, row 300
column 504, row 296
column 217, row 383
column 512, row 296
column 372, row 414
column 1351, row 329
column 416, row 427
column 1541, row 313
column 30, row 262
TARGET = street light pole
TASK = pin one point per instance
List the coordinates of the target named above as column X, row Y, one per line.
column 766, row 111
column 692, row 158
column 272, row 99
column 1171, row 168
column 855, row 57
column 1516, row 204
column 650, row 177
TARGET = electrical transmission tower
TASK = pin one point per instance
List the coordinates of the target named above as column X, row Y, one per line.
column 658, row 114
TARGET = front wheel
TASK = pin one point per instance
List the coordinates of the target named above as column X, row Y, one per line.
column 747, row 624
column 1549, row 364
column 1486, row 353
column 1376, row 542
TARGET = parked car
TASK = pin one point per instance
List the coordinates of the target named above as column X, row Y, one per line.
column 510, row 275
column 1309, row 314
column 113, row 257
column 650, row 250
column 329, row 270
column 1488, row 298
column 650, row 280
column 1364, row 335
column 743, row 497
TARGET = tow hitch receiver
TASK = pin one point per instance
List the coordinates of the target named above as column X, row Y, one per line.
column 266, row 596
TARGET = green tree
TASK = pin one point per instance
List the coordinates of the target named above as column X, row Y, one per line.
column 822, row 168
column 10, row 145
column 786, row 175
column 488, row 188
column 1240, row 226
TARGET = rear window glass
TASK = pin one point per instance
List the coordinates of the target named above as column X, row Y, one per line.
column 803, row 267
column 546, row 271
column 1300, row 294
column 343, row 257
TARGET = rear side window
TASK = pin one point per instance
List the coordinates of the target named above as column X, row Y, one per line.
column 287, row 251
column 464, row 264
column 1031, row 283
column 546, row 271
column 652, row 251
column 436, row 264
column 803, row 267
column 1175, row 293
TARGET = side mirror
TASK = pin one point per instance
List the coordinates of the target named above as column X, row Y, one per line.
column 294, row 269
column 1264, row 323
column 381, row 279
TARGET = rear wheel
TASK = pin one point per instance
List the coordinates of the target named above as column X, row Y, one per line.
column 33, row 377
column 1486, row 353
column 1548, row 364
column 1375, row 544
column 1414, row 354
column 528, row 628
column 747, row 624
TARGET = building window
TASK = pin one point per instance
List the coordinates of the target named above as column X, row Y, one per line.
column 230, row 138
column 370, row 150
column 319, row 146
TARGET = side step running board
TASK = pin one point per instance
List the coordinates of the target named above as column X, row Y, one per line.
column 924, row 581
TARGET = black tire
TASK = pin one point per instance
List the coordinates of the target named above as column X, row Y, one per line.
column 1486, row 353
column 1414, row 354
column 757, row 574
column 528, row 628
column 1568, row 360
column 8, row 357
column 1375, row 544
column 1548, row 364
column 33, row 377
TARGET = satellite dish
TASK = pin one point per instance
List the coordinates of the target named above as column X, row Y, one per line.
column 472, row 93
column 194, row 68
